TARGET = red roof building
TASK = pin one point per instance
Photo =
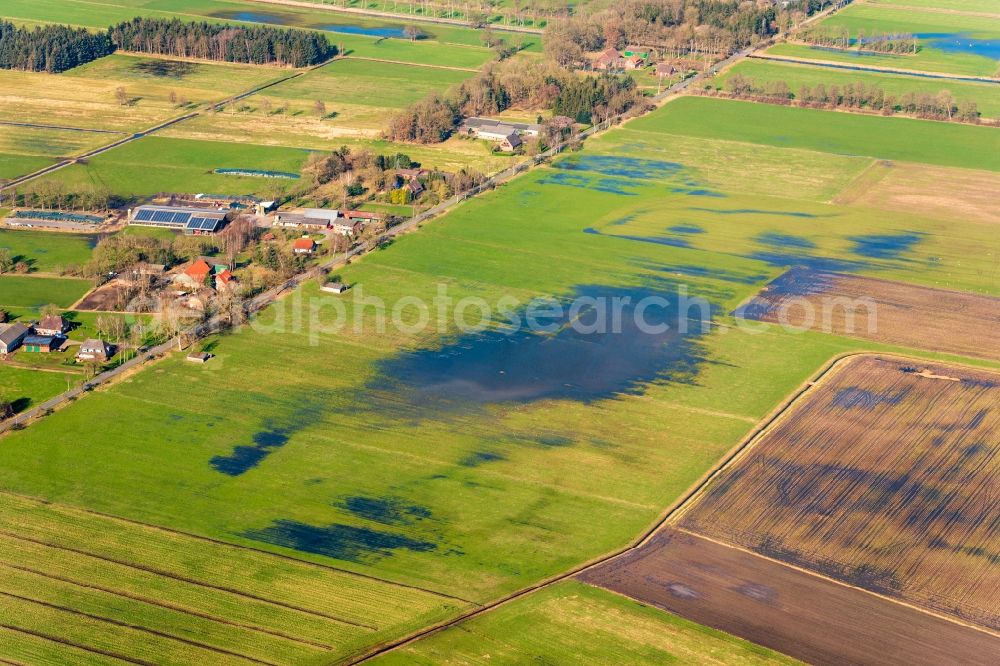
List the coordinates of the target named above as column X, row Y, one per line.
column 198, row 270
column 303, row 246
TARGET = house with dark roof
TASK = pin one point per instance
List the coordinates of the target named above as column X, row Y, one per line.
column 11, row 336
column 51, row 325
column 510, row 143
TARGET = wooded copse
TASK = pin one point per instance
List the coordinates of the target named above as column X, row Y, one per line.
column 50, row 48
column 860, row 96
column 840, row 38
column 257, row 45
column 515, row 83
column 57, row 48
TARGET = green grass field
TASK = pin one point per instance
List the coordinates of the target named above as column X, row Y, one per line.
column 333, row 446
column 32, row 292
column 985, row 95
column 871, row 18
column 27, row 149
column 26, row 387
column 157, row 164
column 46, row 251
column 904, row 139
column 572, row 622
column 986, row 6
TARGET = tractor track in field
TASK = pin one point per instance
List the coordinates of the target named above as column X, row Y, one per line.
column 135, row 627
column 78, row 646
column 185, row 579
column 177, row 608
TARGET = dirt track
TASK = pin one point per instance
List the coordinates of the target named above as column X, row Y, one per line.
column 787, row 609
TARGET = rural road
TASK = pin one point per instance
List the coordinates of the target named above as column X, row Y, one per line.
column 401, row 18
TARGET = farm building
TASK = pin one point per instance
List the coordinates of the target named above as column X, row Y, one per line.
column 634, row 62
column 362, row 216
column 307, row 218
column 304, row 246
column 334, row 287
column 348, row 227
column 665, row 69
column 94, row 350
column 198, row 357
column 11, row 336
column 489, row 128
column 225, row 280
column 609, row 60
column 51, row 325
column 195, row 274
column 41, row 343
column 188, row 219
column 510, row 143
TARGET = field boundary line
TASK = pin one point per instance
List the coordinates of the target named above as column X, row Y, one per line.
column 79, row 646
column 178, row 608
column 185, row 579
column 66, row 128
column 135, row 627
column 875, row 69
column 816, row 574
column 410, row 64
column 458, row 23
column 933, row 10
column 219, row 542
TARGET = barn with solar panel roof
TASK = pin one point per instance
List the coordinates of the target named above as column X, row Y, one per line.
column 187, row 219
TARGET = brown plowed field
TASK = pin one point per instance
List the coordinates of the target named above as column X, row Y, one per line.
column 789, row 610
column 886, row 476
column 861, row 526
column 904, row 314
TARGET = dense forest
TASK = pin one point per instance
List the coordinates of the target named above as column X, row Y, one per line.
column 258, row 45
column 52, row 48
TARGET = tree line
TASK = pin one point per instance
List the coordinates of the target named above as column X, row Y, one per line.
column 877, row 42
column 57, row 48
column 257, row 45
column 50, row 48
column 856, row 96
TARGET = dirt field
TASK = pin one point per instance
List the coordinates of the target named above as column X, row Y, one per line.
column 109, row 297
column 927, row 190
column 885, row 476
column 907, row 315
column 786, row 609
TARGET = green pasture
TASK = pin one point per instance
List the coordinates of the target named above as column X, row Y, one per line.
column 871, row 18
column 985, row 6
column 904, row 139
column 157, row 164
column 925, row 60
column 572, row 622
column 12, row 166
column 985, row 95
column 368, row 83
column 47, row 251
column 27, row 149
column 28, row 387
column 33, row 292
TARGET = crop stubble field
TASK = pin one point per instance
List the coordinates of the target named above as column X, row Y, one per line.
column 894, row 312
column 883, row 477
